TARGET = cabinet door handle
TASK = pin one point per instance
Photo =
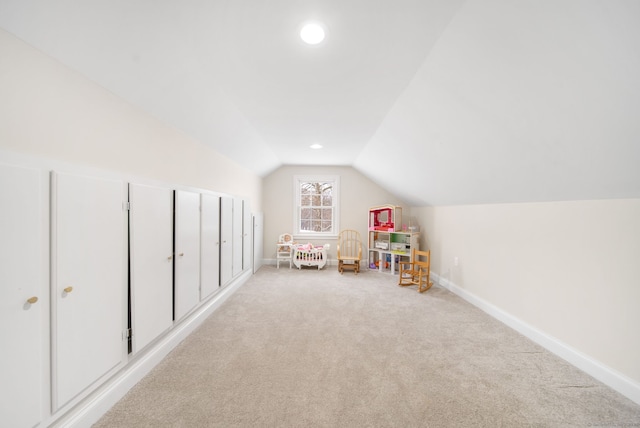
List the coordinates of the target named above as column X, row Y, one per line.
column 68, row 289
column 32, row 300
column 169, row 258
column 181, row 254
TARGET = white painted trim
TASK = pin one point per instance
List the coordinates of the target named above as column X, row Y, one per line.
column 613, row 379
column 90, row 410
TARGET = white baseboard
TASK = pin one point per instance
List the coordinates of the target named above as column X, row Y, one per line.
column 98, row 403
column 615, row 380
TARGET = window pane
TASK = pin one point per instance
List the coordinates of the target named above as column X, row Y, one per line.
column 324, row 187
column 316, row 210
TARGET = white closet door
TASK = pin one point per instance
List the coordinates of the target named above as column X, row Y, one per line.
column 151, row 249
column 247, row 236
column 89, row 281
column 187, row 247
column 23, row 274
column 258, row 241
column 237, row 236
column 209, row 244
column 226, row 239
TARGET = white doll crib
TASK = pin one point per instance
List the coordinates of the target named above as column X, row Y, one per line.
column 308, row 255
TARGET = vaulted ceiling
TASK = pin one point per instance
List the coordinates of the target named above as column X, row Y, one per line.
column 439, row 101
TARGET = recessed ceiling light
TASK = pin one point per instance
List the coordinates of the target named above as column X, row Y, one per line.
column 312, row 33
column 316, row 146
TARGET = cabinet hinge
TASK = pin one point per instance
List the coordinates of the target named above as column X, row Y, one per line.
column 126, row 334
column 126, row 206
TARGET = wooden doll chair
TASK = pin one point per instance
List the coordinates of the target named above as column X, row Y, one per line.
column 284, row 249
column 417, row 271
column 349, row 251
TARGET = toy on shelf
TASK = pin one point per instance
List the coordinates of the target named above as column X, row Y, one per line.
column 376, row 264
column 385, row 218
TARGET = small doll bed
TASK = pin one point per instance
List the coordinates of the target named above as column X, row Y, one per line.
column 308, row 255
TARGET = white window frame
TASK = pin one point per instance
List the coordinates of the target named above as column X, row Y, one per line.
column 335, row 193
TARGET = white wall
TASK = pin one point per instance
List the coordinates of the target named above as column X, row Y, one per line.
column 53, row 112
column 566, row 269
column 357, row 195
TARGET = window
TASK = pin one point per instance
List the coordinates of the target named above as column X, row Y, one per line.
column 316, row 205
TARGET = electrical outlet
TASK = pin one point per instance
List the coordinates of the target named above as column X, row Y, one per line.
column 455, row 261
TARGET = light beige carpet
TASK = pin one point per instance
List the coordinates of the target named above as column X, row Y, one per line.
column 318, row 349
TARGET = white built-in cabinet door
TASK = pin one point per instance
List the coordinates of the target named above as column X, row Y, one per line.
column 187, row 252
column 151, row 261
column 209, row 244
column 88, row 282
column 23, row 294
column 226, row 239
column 237, row 236
column 247, row 236
column 258, row 241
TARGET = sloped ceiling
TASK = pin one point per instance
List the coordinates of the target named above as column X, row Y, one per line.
column 439, row 101
column 519, row 101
